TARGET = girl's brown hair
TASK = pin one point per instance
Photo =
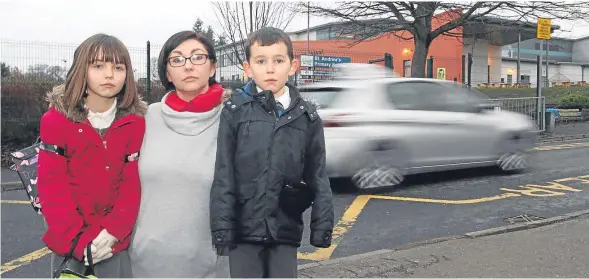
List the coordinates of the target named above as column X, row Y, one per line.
column 99, row 47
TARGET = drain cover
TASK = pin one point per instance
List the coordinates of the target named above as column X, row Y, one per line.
column 524, row 218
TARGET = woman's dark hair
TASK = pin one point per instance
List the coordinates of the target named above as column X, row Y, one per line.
column 172, row 43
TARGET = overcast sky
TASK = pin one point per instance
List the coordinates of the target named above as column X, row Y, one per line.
column 66, row 23
column 134, row 22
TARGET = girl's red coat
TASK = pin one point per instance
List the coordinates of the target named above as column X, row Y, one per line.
column 96, row 184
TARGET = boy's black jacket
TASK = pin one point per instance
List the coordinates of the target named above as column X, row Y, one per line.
column 257, row 155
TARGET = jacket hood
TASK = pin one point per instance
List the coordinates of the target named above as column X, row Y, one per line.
column 247, row 89
column 226, row 94
column 250, row 87
column 55, row 98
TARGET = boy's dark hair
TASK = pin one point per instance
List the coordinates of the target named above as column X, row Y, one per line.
column 173, row 42
column 267, row 36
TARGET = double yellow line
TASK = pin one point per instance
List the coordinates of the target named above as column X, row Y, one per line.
column 350, row 216
column 344, row 224
column 26, row 259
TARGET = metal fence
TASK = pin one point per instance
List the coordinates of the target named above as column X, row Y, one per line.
column 47, row 63
column 31, row 69
column 527, row 106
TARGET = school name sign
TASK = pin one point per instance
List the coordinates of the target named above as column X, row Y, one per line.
column 322, row 61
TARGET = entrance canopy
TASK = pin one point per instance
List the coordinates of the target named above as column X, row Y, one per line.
column 500, row 32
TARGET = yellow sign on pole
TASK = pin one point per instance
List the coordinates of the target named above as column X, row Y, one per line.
column 544, row 27
column 442, row 73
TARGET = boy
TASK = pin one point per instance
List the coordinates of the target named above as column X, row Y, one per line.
column 270, row 167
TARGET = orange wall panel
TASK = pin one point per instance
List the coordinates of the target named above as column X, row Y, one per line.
column 446, row 50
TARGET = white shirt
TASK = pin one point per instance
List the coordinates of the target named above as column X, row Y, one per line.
column 102, row 120
column 284, row 99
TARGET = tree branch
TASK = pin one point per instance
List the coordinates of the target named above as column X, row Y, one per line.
column 462, row 19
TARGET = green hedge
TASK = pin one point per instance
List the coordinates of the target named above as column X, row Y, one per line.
column 553, row 95
column 574, row 101
column 23, row 104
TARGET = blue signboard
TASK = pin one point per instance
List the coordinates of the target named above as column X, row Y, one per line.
column 329, row 61
column 319, row 68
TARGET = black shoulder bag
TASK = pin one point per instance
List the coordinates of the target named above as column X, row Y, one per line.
column 66, row 272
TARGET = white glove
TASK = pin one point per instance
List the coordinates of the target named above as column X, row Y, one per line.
column 103, row 254
column 94, row 252
column 103, row 247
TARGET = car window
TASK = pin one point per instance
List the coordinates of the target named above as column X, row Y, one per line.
column 464, row 93
column 324, row 96
column 417, row 96
column 462, row 98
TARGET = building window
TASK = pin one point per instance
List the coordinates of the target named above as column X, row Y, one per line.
column 406, row 68
column 241, row 54
column 553, row 47
column 323, row 34
column 227, row 60
column 234, row 60
column 509, row 79
column 221, row 61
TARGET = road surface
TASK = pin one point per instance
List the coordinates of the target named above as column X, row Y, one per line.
column 424, row 207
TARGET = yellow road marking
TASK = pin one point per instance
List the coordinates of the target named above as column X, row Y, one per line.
column 11, row 183
column 344, row 224
column 467, row 201
column 352, row 213
column 349, row 218
column 24, row 260
column 560, row 146
column 16, row 202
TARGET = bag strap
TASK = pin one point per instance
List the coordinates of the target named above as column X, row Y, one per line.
column 52, row 148
column 90, row 267
column 67, row 257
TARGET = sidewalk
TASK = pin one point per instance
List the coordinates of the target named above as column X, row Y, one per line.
column 572, row 128
column 558, row 250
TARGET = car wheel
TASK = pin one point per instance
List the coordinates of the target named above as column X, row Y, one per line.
column 513, row 162
column 383, row 166
column 512, row 158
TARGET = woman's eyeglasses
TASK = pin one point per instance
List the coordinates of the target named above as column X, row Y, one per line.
column 196, row 59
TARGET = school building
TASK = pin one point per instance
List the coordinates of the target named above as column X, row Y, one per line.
column 491, row 42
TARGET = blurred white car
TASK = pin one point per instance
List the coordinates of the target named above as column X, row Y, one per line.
column 380, row 128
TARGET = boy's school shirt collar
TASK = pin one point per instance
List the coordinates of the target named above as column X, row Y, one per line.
column 284, row 99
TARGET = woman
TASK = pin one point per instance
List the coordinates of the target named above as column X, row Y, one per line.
column 88, row 180
column 172, row 237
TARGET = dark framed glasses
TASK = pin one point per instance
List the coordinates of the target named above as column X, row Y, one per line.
column 195, row 59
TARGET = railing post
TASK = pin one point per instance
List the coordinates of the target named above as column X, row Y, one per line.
column 430, row 67
column 538, row 90
column 469, row 69
column 463, row 69
column 148, row 83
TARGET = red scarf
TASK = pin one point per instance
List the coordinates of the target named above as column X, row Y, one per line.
column 201, row 103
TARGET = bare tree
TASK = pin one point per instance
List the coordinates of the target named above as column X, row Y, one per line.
column 5, row 70
column 46, row 73
column 413, row 20
column 237, row 20
column 208, row 32
column 154, row 69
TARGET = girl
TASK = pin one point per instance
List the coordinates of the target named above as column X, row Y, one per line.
column 172, row 237
column 88, row 180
